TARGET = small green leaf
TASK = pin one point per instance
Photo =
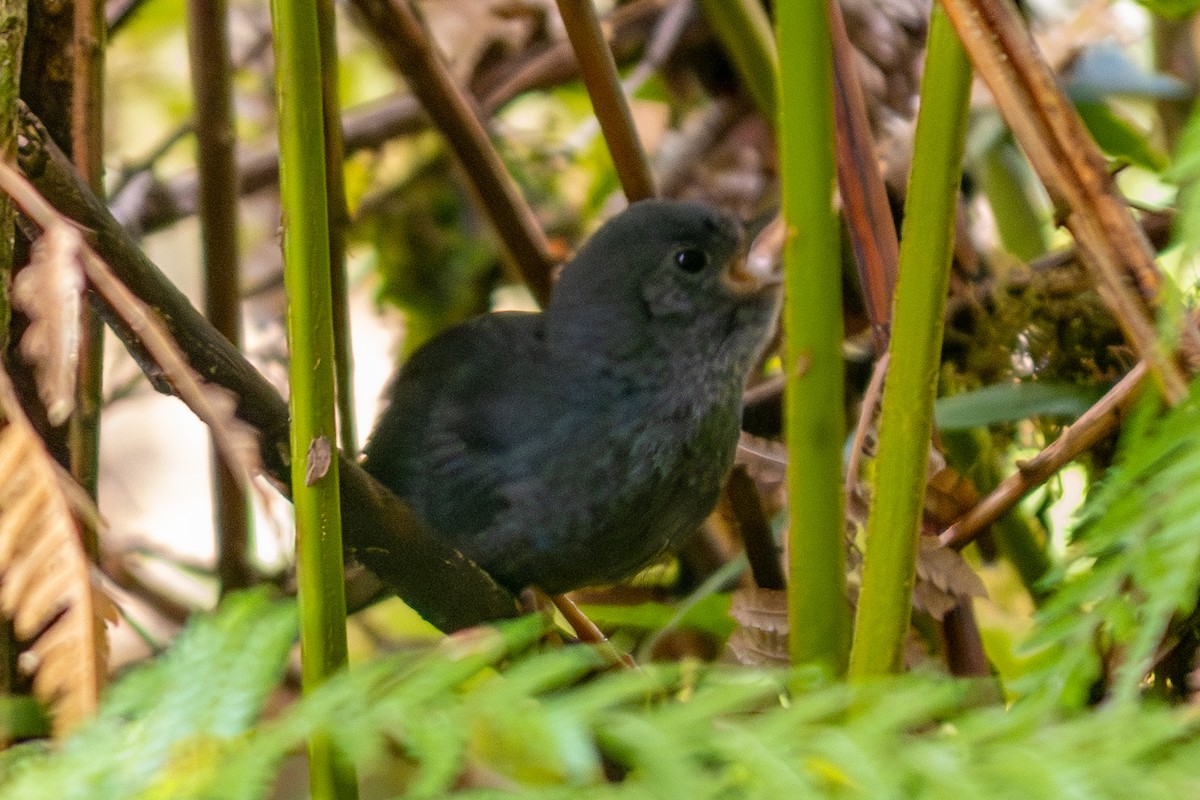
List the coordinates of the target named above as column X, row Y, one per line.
column 1118, row 138
column 710, row 615
column 1172, row 9
column 1009, row 402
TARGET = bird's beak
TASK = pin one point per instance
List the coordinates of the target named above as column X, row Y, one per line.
column 759, row 270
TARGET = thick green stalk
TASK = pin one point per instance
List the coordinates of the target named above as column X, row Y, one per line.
column 310, row 336
column 813, row 339
column 885, row 602
column 744, row 31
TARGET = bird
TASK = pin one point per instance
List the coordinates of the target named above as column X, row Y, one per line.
column 571, row 447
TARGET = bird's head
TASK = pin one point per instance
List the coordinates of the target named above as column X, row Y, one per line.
column 664, row 276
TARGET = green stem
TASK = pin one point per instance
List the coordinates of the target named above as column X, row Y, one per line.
column 813, row 339
column 744, row 31
column 339, row 221
column 906, row 423
column 315, row 490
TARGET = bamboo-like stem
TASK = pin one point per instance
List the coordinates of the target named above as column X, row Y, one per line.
column 87, row 151
column 1075, row 174
column 339, row 220
column 744, row 30
column 812, row 320
column 212, row 88
column 312, row 402
column 906, row 420
column 412, row 51
column 609, row 102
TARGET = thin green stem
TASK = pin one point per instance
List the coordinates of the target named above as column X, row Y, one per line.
column 818, row 614
column 744, row 31
column 906, row 423
column 315, row 490
column 339, row 220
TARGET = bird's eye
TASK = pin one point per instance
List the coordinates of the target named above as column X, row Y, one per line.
column 691, row 259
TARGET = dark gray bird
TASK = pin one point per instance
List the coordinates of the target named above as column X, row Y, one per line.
column 571, row 447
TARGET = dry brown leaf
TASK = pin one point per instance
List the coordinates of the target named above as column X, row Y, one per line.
column 765, row 461
column 948, row 496
column 45, row 576
column 943, row 579
column 49, row 291
column 761, row 638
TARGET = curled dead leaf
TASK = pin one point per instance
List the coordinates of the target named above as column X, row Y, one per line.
column 49, row 292
column 761, row 637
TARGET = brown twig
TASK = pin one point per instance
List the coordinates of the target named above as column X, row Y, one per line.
column 609, row 102
column 136, row 316
column 864, row 196
column 379, row 530
column 408, row 46
column 212, row 90
column 154, row 207
column 866, row 413
column 757, row 538
column 965, row 656
column 587, row 631
column 1096, row 424
column 1074, row 173
column 147, row 163
column 87, row 151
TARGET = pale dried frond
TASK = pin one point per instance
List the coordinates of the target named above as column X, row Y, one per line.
column 49, row 292
column 45, row 576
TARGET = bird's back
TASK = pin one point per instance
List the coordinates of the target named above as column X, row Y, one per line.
column 455, row 414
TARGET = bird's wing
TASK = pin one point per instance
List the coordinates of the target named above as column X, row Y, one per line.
column 459, row 412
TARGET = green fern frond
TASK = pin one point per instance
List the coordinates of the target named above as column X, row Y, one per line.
column 172, row 716
column 1134, row 565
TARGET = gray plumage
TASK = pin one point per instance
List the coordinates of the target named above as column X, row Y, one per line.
column 571, row 447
